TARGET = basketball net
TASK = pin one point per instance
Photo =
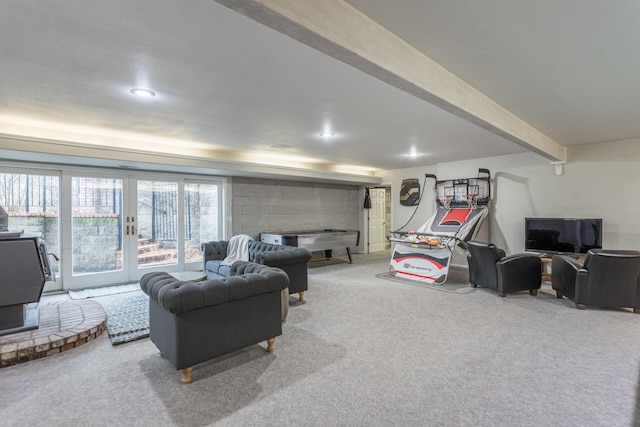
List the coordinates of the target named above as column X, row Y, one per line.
column 472, row 200
column 446, row 201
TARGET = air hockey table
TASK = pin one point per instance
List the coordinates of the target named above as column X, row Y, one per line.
column 316, row 240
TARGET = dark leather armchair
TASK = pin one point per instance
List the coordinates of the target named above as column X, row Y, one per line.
column 489, row 267
column 608, row 278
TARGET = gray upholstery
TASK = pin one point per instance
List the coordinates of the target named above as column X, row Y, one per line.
column 290, row 259
column 191, row 322
column 608, row 278
column 490, row 268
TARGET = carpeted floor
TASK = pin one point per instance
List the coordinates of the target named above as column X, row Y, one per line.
column 362, row 351
column 457, row 281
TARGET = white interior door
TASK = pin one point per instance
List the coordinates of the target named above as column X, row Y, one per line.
column 377, row 220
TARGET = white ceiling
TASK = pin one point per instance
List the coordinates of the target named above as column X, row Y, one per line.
column 227, row 85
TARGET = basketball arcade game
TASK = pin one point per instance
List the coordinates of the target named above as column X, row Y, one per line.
column 425, row 254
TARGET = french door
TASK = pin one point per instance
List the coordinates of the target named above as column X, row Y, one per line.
column 122, row 227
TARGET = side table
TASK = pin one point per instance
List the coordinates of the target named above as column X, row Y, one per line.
column 546, row 267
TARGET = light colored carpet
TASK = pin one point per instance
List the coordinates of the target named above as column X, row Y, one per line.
column 362, row 351
column 457, row 281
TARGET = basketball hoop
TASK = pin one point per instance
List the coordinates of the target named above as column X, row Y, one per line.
column 445, row 201
column 472, row 200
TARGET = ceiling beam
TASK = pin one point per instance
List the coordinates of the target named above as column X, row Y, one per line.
column 337, row 29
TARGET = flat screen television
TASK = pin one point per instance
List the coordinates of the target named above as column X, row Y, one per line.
column 571, row 236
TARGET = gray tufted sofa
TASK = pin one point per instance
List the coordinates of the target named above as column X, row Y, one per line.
column 290, row 259
column 191, row 322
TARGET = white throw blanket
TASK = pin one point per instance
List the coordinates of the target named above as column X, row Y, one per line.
column 238, row 249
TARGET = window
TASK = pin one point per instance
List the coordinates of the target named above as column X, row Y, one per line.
column 32, row 202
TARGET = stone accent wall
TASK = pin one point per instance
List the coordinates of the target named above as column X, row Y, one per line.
column 260, row 205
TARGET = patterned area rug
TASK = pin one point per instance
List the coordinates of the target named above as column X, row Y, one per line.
column 103, row 291
column 127, row 318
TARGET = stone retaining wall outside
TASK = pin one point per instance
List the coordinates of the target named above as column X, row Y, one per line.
column 97, row 238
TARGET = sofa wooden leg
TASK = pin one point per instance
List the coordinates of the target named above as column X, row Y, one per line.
column 270, row 344
column 581, row 306
column 301, row 295
column 474, row 285
column 558, row 294
column 186, row 374
column 533, row 292
column 503, row 294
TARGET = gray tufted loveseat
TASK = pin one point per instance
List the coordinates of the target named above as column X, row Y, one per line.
column 191, row 322
column 290, row 259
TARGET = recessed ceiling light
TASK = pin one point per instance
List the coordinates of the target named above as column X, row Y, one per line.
column 145, row 93
column 413, row 154
column 327, row 134
column 280, row 147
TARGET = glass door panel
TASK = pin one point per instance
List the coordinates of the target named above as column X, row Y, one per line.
column 32, row 202
column 156, row 223
column 202, row 219
column 96, row 225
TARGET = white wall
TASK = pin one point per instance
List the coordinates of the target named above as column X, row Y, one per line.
column 598, row 181
column 401, row 214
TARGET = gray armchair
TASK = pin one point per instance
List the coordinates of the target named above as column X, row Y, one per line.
column 191, row 322
column 290, row 259
column 489, row 267
column 608, row 278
